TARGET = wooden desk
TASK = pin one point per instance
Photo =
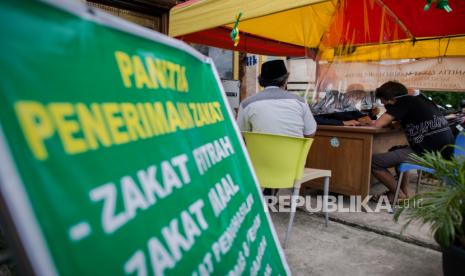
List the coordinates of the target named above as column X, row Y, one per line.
column 347, row 151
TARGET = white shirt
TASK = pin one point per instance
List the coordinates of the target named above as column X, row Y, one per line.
column 276, row 111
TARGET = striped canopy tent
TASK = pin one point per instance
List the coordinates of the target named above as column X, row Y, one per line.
column 346, row 30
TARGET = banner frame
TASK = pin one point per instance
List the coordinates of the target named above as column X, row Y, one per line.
column 19, row 210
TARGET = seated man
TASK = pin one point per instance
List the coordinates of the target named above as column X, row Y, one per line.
column 333, row 101
column 275, row 110
column 337, row 109
column 424, row 125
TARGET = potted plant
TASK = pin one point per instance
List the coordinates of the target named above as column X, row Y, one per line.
column 443, row 208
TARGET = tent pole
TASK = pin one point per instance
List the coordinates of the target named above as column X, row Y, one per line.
column 396, row 18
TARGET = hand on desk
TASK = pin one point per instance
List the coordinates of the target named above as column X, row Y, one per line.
column 365, row 121
column 351, row 123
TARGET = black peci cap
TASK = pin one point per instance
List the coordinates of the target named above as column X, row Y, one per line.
column 273, row 69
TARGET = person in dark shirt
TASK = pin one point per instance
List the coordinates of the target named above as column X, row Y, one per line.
column 424, row 125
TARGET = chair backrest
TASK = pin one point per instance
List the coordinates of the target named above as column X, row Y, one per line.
column 459, row 149
column 278, row 160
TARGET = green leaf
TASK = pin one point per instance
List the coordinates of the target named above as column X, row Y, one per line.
column 443, row 207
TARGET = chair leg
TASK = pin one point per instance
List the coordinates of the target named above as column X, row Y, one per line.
column 420, row 173
column 294, row 196
column 396, row 195
column 325, row 199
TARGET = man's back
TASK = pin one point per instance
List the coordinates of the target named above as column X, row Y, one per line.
column 278, row 112
column 425, row 126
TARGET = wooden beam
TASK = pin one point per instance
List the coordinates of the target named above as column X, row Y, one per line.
column 148, row 7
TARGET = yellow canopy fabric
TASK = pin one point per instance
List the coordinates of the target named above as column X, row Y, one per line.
column 406, row 49
column 206, row 14
column 303, row 26
column 343, row 30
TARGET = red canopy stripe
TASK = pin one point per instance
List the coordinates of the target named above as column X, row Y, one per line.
column 219, row 37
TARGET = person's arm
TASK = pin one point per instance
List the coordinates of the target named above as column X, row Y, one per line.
column 385, row 120
column 365, row 121
column 322, row 120
column 396, row 111
column 309, row 122
column 242, row 120
column 351, row 123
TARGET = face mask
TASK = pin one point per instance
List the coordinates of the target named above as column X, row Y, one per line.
column 401, row 96
column 388, row 105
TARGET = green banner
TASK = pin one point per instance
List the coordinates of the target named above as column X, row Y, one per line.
column 118, row 154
